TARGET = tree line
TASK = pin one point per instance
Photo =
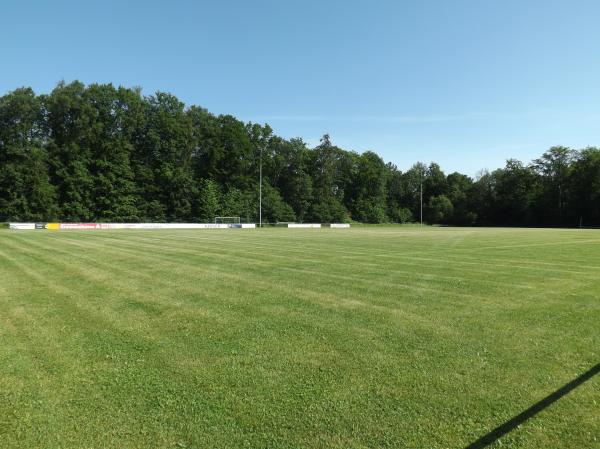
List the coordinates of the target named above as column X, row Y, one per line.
column 106, row 153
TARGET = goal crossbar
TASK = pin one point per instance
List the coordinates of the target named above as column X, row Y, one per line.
column 228, row 220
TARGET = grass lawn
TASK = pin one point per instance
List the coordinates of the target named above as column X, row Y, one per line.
column 290, row 338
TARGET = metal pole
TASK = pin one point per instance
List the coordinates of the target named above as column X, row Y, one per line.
column 260, row 190
column 421, row 198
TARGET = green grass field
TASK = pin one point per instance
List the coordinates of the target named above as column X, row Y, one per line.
column 275, row 338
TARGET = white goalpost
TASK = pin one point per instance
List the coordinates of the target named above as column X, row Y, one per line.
column 227, row 220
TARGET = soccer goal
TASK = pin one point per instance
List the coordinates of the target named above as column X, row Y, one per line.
column 227, row 220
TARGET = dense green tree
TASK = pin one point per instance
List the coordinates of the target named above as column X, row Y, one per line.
column 109, row 140
column 482, row 197
column 584, row 185
column 25, row 190
column 274, row 208
column 414, row 180
column 396, row 194
column 553, row 167
column 434, row 183
column 328, row 210
column 290, row 173
column 459, row 186
column 209, row 201
column 223, row 150
column 236, row 203
column 328, row 183
column 167, row 145
column 368, row 192
column 68, row 116
column 515, row 189
column 104, row 153
column 439, row 209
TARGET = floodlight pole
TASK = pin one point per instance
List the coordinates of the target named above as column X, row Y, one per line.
column 421, row 195
column 260, row 189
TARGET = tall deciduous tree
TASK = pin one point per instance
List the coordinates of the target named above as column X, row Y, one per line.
column 25, row 190
column 168, row 147
column 515, row 189
column 459, row 186
column 584, row 185
column 209, row 201
column 68, row 118
column 414, row 180
column 368, row 202
column 328, row 184
column 553, row 167
column 439, row 209
column 291, row 175
column 109, row 140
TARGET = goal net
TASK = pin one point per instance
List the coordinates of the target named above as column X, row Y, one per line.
column 227, row 220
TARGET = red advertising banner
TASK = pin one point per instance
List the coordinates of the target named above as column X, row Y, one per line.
column 81, row 226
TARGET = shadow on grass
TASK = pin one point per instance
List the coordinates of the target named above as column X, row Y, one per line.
column 509, row 425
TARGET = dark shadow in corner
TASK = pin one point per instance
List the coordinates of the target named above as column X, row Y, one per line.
column 509, row 425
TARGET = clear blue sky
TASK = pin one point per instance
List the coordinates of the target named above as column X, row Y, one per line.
column 465, row 83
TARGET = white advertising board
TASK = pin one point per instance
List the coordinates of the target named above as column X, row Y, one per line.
column 21, row 226
column 304, row 225
column 339, row 225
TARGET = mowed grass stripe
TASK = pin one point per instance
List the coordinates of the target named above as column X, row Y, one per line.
column 394, row 256
column 225, row 343
column 410, row 260
column 304, row 293
column 369, row 276
column 322, row 243
column 226, row 255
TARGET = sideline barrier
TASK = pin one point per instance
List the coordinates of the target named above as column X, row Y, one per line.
column 102, row 226
column 110, row 226
column 21, row 226
column 304, row 225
